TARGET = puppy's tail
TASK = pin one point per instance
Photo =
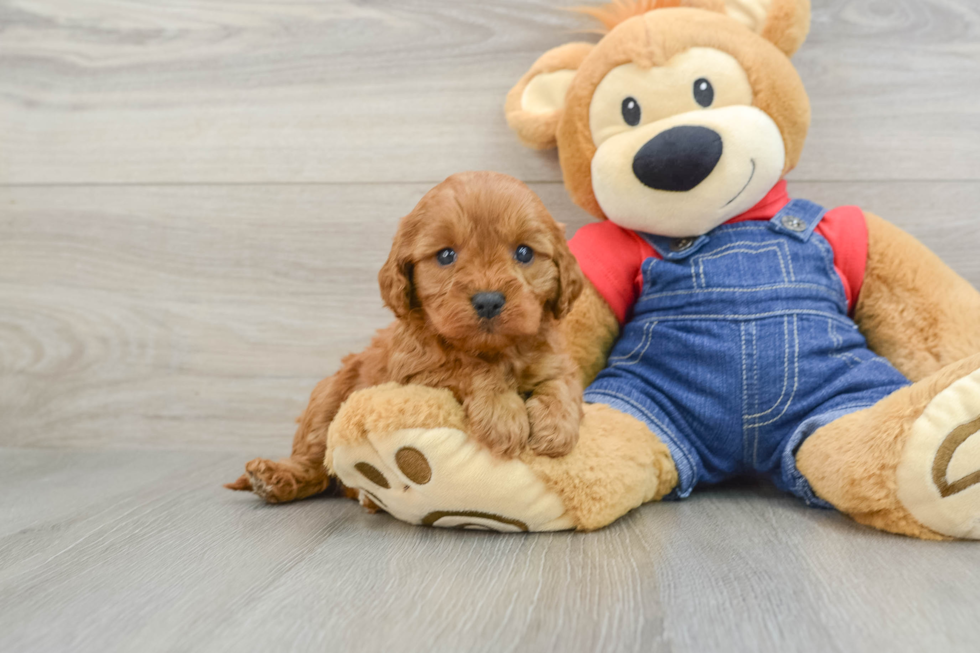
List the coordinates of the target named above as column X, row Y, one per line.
column 241, row 485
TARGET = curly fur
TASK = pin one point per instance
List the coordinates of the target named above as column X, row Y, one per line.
column 511, row 373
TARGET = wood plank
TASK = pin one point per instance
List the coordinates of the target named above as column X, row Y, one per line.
column 753, row 570
column 177, row 563
column 201, row 317
column 342, row 91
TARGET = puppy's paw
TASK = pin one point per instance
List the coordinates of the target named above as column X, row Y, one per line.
column 270, row 481
column 554, row 425
column 243, row 484
column 501, row 425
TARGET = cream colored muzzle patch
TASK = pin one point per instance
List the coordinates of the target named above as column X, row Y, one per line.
column 439, row 477
column 751, row 163
column 938, row 476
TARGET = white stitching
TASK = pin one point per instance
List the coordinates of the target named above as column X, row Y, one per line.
column 782, row 393
column 796, row 374
column 755, row 366
column 844, row 357
column 745, row 379
column 828, row 256
column 746, row 389
column 757, row 225
column 808, row 286
column 645, row 341
column 744, row 317
column 733, row 248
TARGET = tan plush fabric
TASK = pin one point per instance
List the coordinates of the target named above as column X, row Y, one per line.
column 784, row 22
column 590, row 330
column 390, row 407
column 649, row 40
column 852, row 462
column 787, row 24
column 404, row 450
column 619, row 11
column 616, row 466
column 913, row 309
column 537, row 130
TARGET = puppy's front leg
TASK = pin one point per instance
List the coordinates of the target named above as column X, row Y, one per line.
column 555, row 409
column 499, row 420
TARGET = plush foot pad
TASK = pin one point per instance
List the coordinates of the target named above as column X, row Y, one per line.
column 938, row 477
column 439, row 477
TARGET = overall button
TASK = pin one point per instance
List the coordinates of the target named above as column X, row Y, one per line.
column 793, row 223
column 681, row 244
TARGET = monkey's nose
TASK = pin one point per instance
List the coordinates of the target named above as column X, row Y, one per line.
column 678, row 159
column 488, row 304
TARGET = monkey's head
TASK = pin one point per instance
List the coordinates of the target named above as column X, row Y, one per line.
column 684, row 115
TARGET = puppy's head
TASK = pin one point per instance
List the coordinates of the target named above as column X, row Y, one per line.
column 482, row 261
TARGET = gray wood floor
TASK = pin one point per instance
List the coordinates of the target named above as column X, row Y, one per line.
column 195, row 198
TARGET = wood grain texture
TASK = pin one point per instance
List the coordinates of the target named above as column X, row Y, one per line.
column 195, row 198
column 128, row 91
column 202, row 317
column 185, row 316
column 153, row 556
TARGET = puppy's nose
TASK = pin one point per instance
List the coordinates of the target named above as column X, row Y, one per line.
column 678, row 159
column 488, row 304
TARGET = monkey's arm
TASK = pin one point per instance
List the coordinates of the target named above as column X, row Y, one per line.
column 590, row 330
column 913, row 309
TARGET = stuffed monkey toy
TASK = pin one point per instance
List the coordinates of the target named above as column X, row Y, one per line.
column 727, row 329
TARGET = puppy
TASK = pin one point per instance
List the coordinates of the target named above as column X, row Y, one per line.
column 478, row 276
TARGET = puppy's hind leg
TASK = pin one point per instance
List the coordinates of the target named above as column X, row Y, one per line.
column 303, row 475
column 297, row 477
column 286, row 480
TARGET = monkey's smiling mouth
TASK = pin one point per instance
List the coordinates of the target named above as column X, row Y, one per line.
column 751, row 176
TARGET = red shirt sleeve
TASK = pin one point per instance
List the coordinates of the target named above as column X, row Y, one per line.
column 611, row 258
column 846, row 229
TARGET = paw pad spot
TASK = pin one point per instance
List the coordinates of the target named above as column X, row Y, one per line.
column 373, row 503
column 373, row 474
column 413, row 465
column 944, row 457
column 473, row 519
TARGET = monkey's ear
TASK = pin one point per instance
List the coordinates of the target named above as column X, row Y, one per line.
column 536, row 102
column 785, row 23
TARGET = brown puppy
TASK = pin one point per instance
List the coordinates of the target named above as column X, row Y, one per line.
column 478, row 275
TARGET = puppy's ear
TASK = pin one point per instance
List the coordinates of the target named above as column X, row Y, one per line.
column 395, row 277
column 570, row 277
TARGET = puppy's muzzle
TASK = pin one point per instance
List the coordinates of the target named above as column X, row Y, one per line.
column 678, row 159
column 488, row 304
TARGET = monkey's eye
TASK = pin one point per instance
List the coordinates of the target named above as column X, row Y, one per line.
column 704, row 92
column 631, row 112
column 523, row 254
column 446, row 256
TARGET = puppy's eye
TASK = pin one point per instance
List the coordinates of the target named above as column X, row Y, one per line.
column 446, row 256
column 704, row 92
column 631, row 112
column 523, row 254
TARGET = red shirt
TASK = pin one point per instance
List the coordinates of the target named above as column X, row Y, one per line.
column 611, row 256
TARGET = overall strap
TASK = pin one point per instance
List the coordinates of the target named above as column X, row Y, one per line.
column 675, row 249
column 798, row 219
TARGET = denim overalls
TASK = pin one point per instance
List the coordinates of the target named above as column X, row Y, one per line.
column 740, row 347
